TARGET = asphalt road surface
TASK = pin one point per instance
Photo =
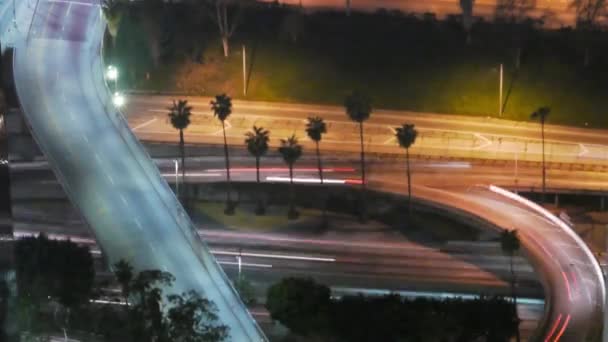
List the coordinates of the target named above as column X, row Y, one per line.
column 104, row 170
column 59, row 80
column 572, row 281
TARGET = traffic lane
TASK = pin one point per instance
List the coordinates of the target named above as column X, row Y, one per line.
column 430, row 173
column 141, row 109
column 380, row 139
column 166, row 256
column 575, row 292
column 544, row 259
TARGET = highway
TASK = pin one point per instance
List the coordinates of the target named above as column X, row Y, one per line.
column 364, row 262
column 479, row 149
column 568, row 272
column 119, row 191
column 103, row 169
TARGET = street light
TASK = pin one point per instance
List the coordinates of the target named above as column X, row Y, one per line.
column 118, row 100
column 112, row 75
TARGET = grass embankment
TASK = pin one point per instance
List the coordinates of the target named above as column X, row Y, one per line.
column 402, row 62
column 245, row 219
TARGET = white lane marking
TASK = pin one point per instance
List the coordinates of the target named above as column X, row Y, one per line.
column 583, row 151
column 149, row 122
column 138, row 223
column 98, row 158
column 486, row 142
column 86, row 139
column 244, row 264
column 124, row 200
column 221, row 131
column 67, row 13
column 110, row 178
column 274, row 256
column 392, row 138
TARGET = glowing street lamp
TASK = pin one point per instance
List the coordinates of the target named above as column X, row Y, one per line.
column 118, row 100
column 112, row 75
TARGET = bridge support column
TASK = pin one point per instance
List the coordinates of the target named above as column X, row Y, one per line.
column 556, row 200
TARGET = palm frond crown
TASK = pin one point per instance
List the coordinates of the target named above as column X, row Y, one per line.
column 179, row 114
column 221, row 106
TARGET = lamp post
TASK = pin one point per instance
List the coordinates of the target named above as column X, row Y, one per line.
column 500, row 91
column 112, row 75
column 176, row 177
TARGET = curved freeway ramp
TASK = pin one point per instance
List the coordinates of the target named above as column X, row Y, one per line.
column 571, row 276
column 101, row 165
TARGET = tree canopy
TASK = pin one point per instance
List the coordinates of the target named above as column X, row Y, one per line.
column 307, row 309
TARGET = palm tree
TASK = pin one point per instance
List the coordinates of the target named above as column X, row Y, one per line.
column 222, row 108
column 291, row 151
column 112, row 11
column 179, row 114
column 315, row 128
column 257, row 145
column 358, row 108
column 406, row 136
column 541, row 114
column 509, row 243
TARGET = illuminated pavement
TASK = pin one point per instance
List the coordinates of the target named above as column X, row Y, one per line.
column 119, row 190
column 104, row 170
column 510, row 146
column 574, row 284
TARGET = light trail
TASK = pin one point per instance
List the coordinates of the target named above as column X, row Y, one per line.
column 553, row 328
column 284, row 169
column 305, row 180
column 274, row 256
column 271, row 238
column 561, row 332
column 192, row 174
column 244, row 264
column 565, row 228
column 567, row 282
column 314, row 180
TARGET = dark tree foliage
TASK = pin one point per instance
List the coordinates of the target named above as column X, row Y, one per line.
column 152, row 316
column 4, row 296
column 192, row 318
column 300, row 304
column 51, row 268
column 306, row 308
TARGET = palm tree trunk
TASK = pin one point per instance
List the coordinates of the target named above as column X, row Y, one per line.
column 291, row 192
column 227, row 158
column 183, row 155
column 362, row 213
column 257, row 169
column 409, row 183
column 514, row 296
column 260, row 208
column 320, row 166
